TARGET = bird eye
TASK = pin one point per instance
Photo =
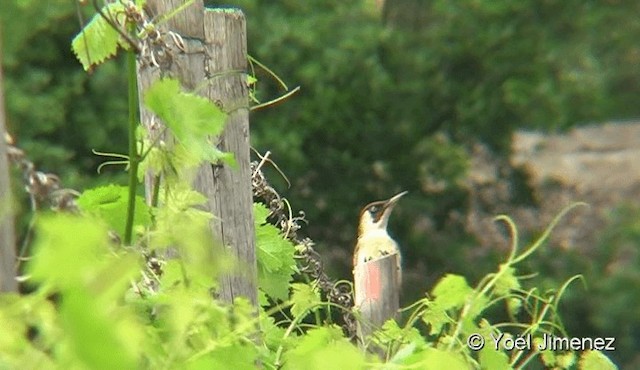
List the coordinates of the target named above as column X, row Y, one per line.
column 374, row 209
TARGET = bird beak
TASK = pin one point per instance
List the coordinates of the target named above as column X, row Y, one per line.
column 393, row 200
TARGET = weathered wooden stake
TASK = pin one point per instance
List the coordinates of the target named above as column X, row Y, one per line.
column 377, row 295
column 7, row 232
column 215, row 63
column 229, row 189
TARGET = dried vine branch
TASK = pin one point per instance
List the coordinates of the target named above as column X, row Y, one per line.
column 309, row 261
column 44, row 189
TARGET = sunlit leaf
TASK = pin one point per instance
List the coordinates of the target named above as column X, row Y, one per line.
column 94, row 338
column 193, row 120
column 435, row 317
column 491, row 359
column 110, row 203
column 596, row 360
column 67, row 249
column 304, row 298
column 451, row 291
column 275, row 255
column 507, row 281
column 324, row 348
column 98, row 40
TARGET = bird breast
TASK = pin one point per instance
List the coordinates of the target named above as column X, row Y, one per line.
column 373, row 245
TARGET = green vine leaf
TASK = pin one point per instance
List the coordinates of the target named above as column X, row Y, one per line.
column 435, row 317
column 98, row 40
column 192, row 119
column 179, row 216
column 92, row 334
column 595, row 360
column 275, row 255
column 444, row 359
column 67, row 250
column 507, row 282
column 451, row 292
column 273, row 334
column 324, row 348
column 305, row 299
column 110, row 204
column 492, row 359
column 392, row 333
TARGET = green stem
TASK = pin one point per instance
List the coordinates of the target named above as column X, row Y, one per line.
column 134, row 159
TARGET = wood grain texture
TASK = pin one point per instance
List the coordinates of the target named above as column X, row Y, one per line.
column 376, row 293
column 7, row 231
column 229, row 189
column 188, row 22
column 214, row 65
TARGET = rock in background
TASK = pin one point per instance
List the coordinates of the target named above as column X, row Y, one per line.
column 599, row 165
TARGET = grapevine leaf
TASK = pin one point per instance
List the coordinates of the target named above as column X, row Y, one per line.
column 260, row 213
column 507, row 281
column 491, row 359
column 98, row 40
column 324, row 348
column 242, row 356
column 192, row 119
column 596, row 360
column 67, row 249
column 451, row 291
column 93, row 335
column 172, row 274
column 444, row 359
column 548, row 357
column 184, row 228
column 480, row 303
column 19, row 313
column 275, row 255
column 304, row 298
column 178, row 216
column 263, row 299
column 419, row 356
column 391, row 332
column 273, row 334
column 110, row 204
column 435, row 317
column 406, row 354
column 274, row 285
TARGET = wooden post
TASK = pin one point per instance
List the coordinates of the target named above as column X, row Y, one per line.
column 376, row 293
column 7, row 233
column 229, row 190
column 216, row 57
column 187, row 67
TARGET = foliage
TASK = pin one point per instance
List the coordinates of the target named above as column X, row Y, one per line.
column 56, row 111
column 421, row 103
column 98, row 41
column 105, row 314
column 393, row 100
column 109, row 203
column 276, row 265
column 166, row 100
column 612, row 289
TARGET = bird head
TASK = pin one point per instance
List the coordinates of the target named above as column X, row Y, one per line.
column 375, row 215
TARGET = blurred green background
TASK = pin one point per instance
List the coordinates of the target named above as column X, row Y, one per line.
column 394, row 96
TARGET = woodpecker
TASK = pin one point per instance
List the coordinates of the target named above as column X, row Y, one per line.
column 373, row 239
